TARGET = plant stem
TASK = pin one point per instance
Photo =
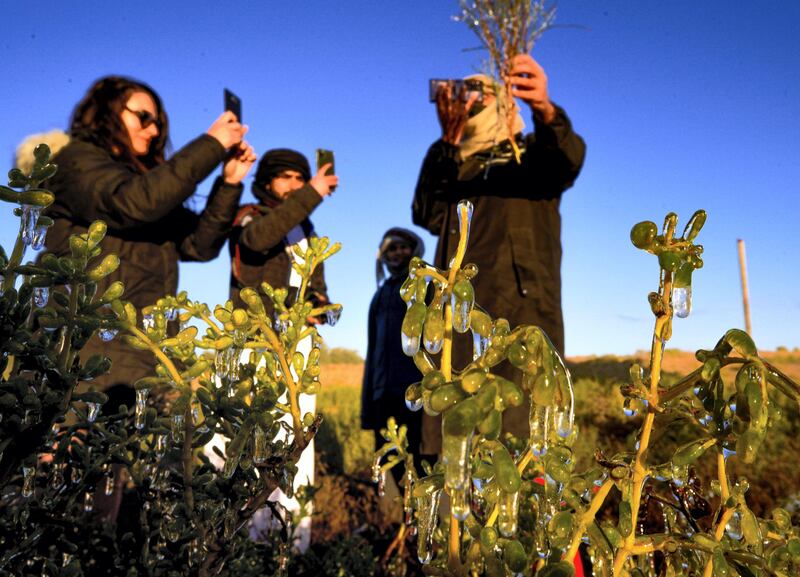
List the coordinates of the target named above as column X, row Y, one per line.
column 718, row 533
column 588, row 517
column 660, row 336
column 294, row 404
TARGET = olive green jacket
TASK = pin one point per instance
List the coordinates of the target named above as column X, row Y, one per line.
column 148, row 226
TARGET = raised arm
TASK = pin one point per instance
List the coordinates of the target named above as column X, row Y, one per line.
column 93, row 185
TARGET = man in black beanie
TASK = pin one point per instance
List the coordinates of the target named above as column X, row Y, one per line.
column 261, row 250
column 263, row 233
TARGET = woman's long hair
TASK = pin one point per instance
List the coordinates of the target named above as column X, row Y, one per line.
column 98, row 119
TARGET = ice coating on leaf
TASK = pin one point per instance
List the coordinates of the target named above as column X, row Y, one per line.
column 88, row 502
column 376, row 469
column 40, row 296
column 461, row 313
column 148, row 322
column 108, row 488
column 479, row 345
column 410, row 344
column 260, row 446
column 428, row 514
column 141, row 404
column 30, row 214
column 107, row 334
column 464, row 209
column 28, row 480
column 93, row 409
column 177, row 428
column 455, row 457
column 508, row 509
column 539, row 429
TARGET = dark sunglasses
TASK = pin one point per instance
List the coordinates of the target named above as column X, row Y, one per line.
column 145, row 118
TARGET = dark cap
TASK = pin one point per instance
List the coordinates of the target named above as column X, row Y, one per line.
column 275, row 161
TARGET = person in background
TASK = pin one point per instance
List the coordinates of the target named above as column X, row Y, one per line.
column 261, row 251
column 114, row 168
column 387, row 370
column 515, row 237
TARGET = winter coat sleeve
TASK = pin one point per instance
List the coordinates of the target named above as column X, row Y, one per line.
column 368, row 416
column 267, row 230
column 438, row 175
column 97, row 186
column 209, row 230
column 554, row 152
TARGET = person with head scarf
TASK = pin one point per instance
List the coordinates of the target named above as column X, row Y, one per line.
column 515, row 234
column 261, row 251
column 263, row 233
column 387, row 370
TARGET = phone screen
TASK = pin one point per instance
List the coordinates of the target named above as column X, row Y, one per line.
column 234, row 104
column 324, row 157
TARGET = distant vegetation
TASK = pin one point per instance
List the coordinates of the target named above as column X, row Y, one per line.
column 338, row 355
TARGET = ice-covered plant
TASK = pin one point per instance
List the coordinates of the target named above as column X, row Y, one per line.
column 66, row 457
column 518, row 507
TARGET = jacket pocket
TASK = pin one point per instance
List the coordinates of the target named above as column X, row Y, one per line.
column 534, row 280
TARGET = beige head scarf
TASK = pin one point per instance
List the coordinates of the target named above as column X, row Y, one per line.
column 488, row 127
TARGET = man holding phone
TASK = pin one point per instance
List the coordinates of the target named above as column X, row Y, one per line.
column 516, row 231
column 261, row 251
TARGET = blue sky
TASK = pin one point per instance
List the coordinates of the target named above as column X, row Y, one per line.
column 683, row 105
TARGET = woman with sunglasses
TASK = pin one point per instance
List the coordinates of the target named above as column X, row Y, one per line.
column 114, row 169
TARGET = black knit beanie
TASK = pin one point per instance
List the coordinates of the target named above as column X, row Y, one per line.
column 275, row 161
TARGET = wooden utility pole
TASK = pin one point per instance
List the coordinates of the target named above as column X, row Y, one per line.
column 745, row 293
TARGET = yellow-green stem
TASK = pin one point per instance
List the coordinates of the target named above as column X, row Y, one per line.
column 159, row 354
column 639, row 465
column 588, row 517
column 718, row 533
column 294, row 404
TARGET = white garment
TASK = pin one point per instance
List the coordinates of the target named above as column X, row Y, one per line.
column 305, row 465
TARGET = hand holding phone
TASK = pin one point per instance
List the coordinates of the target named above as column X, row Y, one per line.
column 325, row 157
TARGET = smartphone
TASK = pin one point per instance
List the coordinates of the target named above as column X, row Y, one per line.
column 464, row 88
column 324, row 157
column 234, row 104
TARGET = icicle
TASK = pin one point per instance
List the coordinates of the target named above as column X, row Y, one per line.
column 260, row 446
column 30, row 214
column 93, row 411
column 382, row 483
column 148, row 322
column 141, row 405
column 479, row 345
column 332, row 315
column 39, row 235
column 177, row 429
column 428, row 513
column 57, row 478
column 41, row 294
column 171, row 314
column 110, row 483
column 88, row 502
column 682, row 301
column 28, row 481
column 540, row 429
column 564, row 421
column 464, row 208
column 376, row 469
column 106, row 334
column 161, row 445
column 508, row 508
